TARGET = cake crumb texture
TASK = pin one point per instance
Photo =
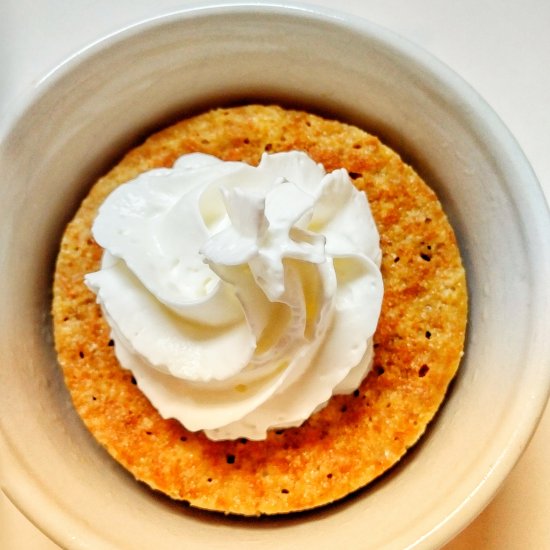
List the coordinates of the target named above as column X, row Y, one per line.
column 355, row 438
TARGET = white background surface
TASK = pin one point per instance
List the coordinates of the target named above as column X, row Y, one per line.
column 501, row 47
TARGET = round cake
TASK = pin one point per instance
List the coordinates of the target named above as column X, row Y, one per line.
column 418, row 342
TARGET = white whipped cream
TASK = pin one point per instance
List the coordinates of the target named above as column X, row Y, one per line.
column 241, row 298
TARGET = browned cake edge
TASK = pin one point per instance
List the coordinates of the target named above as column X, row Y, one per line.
column 419, row 340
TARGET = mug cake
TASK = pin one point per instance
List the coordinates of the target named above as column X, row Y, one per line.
column 376, row 389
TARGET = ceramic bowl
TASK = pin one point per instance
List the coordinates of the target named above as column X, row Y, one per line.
column 88, row 111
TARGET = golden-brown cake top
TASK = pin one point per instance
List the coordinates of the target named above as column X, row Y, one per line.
column 418, row 343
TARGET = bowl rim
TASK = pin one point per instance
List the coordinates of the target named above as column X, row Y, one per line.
column 29, row 499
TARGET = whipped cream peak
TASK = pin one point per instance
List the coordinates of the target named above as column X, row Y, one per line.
column 242, row 298
column 264, row 231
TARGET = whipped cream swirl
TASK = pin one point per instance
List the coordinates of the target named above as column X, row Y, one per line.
column 241, row 298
